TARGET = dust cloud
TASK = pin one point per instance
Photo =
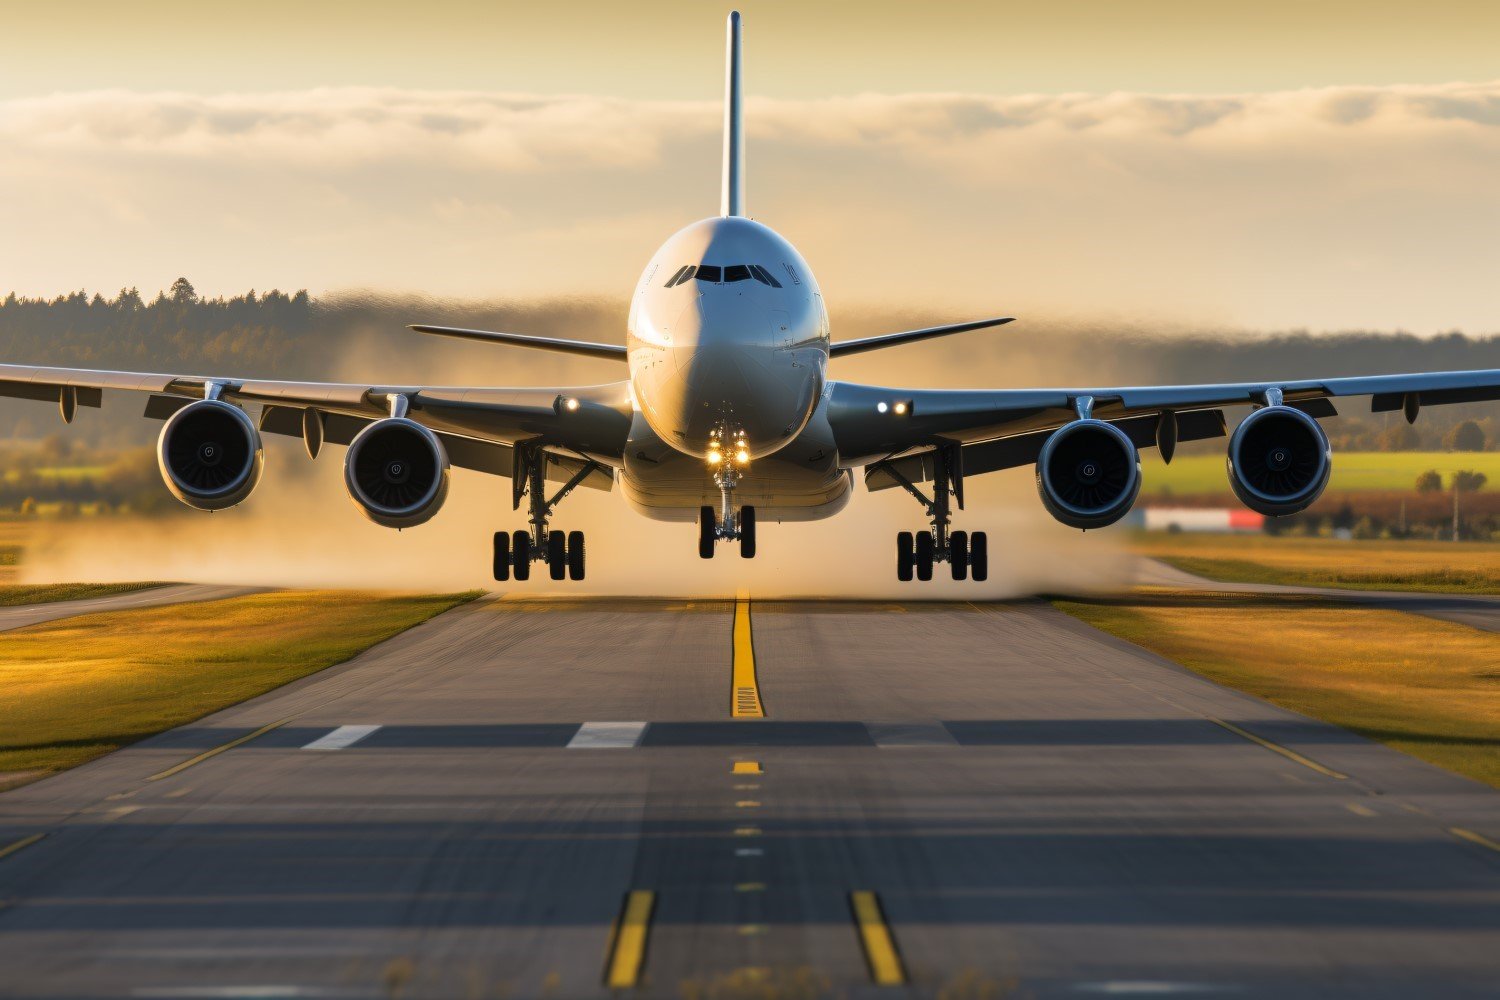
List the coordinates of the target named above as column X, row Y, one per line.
column 300, row 528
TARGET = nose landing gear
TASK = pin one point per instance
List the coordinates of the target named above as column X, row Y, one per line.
column 729, row 525
column 515, row 551
column 967, row 555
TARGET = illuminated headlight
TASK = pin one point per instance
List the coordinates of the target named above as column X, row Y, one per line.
column 715, row 456
column 882, row 406
column 742, row 456
column 571, row 405
column 901, row 409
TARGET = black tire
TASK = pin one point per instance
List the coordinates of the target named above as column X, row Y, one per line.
column 520, row 547
column 747, row 532
column 575, row 555
column 706, row 526
column 502, row 556
column 958, row 554
column 557, row 555
column 979, row 556
column 924, row 555
column 905, row 556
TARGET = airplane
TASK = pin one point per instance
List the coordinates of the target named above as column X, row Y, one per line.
column 728, row 417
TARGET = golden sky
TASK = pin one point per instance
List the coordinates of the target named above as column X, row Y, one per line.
column 1319, row 164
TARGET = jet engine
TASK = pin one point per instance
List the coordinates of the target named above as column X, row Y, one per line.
column 397, row 472
column 1089, row 474
column 210, row 454
column 1278, row 461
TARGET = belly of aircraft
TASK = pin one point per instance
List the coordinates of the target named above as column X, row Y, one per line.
column 799, row 482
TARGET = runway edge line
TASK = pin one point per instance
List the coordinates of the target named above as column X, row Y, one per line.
column 205, row 755
column 1291, row 755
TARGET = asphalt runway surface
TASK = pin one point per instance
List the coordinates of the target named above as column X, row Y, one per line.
column 1479, row 611
column 531, row 798
column 21, row 616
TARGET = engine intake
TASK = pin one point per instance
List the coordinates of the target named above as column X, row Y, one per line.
column 210, row 455
column 1089, row 474
column 1278, row 461
column 397, row 472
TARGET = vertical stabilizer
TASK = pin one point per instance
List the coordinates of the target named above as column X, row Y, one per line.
column 733, row 201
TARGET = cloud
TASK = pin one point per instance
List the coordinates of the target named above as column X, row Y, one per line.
column 1333, row 206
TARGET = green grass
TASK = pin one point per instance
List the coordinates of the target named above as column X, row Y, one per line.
column 83, row 686
column 1429, row 688
column 1430, row 567
column 1352, row 471
column 15, row 594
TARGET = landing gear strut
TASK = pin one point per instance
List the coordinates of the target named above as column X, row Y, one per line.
column 729, row 524
column 967, row 555
column 516, row 551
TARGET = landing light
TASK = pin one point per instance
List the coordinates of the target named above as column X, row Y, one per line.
column 881, row 407
column 571, row 405
column 900, row 409
column 715, row 456
column 742, row 456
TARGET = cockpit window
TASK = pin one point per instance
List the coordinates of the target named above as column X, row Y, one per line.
column 674, row 279
column 686, row 274
column 737, row 272
column 709, row 272
column 763, row 276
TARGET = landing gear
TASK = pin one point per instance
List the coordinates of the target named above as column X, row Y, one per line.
column 516, row 551
column 728, row 523
column 967, row 554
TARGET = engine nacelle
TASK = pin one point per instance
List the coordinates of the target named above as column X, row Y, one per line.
column 396, row 471
column 1089, row 474
column 210, row 455
column 1278, row 461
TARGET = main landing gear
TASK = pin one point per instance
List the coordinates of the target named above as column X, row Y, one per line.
column 563, row 553
column 967, row 554
column 729, row 524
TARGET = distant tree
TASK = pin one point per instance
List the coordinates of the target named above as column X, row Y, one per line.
column 183, row 292
column 1400, row 436
column 1466, row 481
column 1465, row 436
column 1430, row 482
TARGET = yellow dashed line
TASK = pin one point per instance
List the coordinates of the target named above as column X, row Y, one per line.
column 880, row 947
column 627, row 954
column 1277, row 748
column 747, row 804
column 20, row 845
column 747, row 831
column 205, row 755
column 747, row 767
column 1474, row 838
column 750, row 887
column 744, row 701
column 1359, row 810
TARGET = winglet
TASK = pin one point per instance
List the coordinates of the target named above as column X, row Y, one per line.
column 733, row 200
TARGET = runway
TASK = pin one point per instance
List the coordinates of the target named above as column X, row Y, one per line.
column 955, row 800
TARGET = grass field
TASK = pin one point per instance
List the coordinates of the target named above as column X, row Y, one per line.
column 81, row 687
column 1352, row 471
column 1433, row 567
column 14, row 594
column 1427, row 687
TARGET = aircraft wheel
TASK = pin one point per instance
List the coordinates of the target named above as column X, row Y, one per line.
column 747, row 532
column 905, row 556
column 706, row 525
column 557, row 555
column 958, row 554
column 502, row 556
column 924, row 555
column 520, row 546
column 575, row 555
column 979, row 556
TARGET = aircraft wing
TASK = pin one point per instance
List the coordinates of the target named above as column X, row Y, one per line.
column 884, row 428
column 480, row 427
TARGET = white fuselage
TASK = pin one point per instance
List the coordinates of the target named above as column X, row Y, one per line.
column 739, row 347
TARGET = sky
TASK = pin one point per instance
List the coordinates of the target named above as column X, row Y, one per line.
column 1275, row 165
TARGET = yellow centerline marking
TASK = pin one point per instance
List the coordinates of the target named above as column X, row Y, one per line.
column 1359, row 810
column 746, row 767
column 627, row 953
column 205, row 755
column 1291, row 755
column 880, row 947
column 744, row 700
column 20, row 845
column 1474, row 838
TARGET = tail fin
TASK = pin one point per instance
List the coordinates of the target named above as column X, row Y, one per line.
column 733, row 201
